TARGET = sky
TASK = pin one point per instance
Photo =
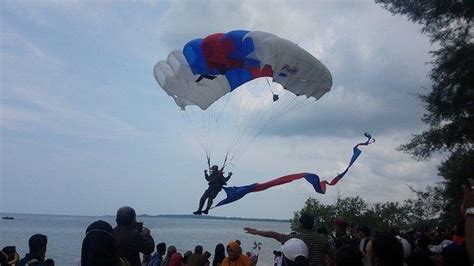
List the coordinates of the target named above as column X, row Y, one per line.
column 86, row 129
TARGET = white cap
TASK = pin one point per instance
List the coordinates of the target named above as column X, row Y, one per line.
column 294, row 248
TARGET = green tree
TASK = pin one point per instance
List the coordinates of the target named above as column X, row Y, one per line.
column 322, row 214
column 426, row 207
column 450, row 102
column 351, row 209
column 378, row 216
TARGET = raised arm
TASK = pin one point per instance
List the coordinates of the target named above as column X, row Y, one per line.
column 228, row 177
column 267, row 234
column 206, row 175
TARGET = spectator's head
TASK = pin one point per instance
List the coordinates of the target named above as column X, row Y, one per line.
column 98, row 246
column 125, row 216
column 198, row 249
column 295, row 252
column 161, row 248
column 207, row 255
column 306, row 221
column 49, row 262
column 341, row 225
column 348, row 255
column 9, row 256
column 171, row 250
column 233, row 250
column 186, row 256
column 385, row 250
column 37, row 245
column 219, row 250
column 363, row 232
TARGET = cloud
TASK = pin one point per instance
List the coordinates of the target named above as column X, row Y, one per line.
column 31, row 101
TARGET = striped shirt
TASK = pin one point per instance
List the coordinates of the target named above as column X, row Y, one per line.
column 317, row 246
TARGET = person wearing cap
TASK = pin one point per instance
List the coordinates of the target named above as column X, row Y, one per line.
column 317, row 244
column 216, row 181
column 37, row 245
column 295, row 252
column 235, row 256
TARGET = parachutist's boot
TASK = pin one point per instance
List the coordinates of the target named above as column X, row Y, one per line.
column 208, row 207
column 201, row 204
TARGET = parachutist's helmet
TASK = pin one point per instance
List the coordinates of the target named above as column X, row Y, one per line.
column 215, row 168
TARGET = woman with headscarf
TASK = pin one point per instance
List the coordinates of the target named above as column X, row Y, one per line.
column 98, row 247
column 219, row 255
column 173, row 257
column 235, row 256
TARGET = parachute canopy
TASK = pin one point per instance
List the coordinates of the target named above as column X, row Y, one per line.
column 231, row 85
column 207, row 69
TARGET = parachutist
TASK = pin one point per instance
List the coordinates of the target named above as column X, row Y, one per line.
column 216, row 181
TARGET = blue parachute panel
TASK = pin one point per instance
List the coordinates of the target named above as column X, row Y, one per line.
column 235, row 38
column 193, row 53
column 238, row 76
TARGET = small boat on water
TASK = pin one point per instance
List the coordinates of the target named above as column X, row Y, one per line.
column 8, row 218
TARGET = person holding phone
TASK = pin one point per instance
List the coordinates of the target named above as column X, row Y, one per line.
column 132, row 238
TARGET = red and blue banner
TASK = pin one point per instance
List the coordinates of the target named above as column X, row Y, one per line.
column 236, row 193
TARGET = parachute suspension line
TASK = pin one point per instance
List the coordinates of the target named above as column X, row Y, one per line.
column 254, row 136
column 246, row 107
column 263, row 119
column 225, row 161
column 281, row 110
column 212, row 118
column 298, row 106
column 199, row 134
column 246, row 128
column 247, row 110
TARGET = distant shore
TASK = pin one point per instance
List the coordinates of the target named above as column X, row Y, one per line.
column 182, row 216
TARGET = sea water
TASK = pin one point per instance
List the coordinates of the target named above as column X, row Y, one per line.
column 65, row 233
